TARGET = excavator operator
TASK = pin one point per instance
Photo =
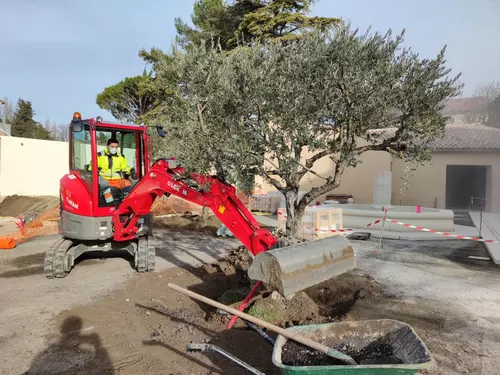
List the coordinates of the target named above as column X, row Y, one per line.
column 114, row 167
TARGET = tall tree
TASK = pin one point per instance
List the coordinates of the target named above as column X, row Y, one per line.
column 282, row 20
column 22, row 122
column 129, row 99
column 43, row 133
column 231, row 23
column 277, row 108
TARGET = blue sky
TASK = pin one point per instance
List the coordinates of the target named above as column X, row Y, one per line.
column 60, row 54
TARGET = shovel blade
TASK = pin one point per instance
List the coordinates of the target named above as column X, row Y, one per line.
column 294, row 268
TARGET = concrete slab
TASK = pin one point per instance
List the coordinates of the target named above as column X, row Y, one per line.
column 490, row 230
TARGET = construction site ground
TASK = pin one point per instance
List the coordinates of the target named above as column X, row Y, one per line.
column 104, row 318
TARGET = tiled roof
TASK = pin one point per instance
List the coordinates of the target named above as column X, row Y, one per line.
column 469, row 138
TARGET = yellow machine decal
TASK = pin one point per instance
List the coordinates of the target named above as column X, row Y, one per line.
column 222, row 208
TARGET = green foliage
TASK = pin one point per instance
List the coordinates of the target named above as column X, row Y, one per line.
column 22, row 122
column 211, row 19
column 259, row 108
column 129, row 99
column 24, row 125
column 230, row 23
column 132, row 98
column 282, row 20
column 43, row 133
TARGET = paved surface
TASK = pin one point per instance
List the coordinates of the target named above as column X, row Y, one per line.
column 490, row 230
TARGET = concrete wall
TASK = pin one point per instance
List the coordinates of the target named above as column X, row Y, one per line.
column 428, row 183
column 31, row 166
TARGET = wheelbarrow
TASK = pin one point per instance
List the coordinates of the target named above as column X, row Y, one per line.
column 381, row 347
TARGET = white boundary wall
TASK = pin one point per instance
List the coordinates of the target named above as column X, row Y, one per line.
column 32, row 166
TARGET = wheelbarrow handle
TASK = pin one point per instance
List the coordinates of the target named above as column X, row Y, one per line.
column 207, row 347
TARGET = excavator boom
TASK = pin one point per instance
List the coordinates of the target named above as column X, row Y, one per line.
column 207, row 191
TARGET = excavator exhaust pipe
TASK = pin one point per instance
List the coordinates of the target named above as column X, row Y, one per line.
column 294, row 268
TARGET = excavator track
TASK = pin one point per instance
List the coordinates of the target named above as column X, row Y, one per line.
column 56, row 264
column 145, row 256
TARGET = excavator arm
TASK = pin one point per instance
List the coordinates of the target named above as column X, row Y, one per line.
column 165, row 177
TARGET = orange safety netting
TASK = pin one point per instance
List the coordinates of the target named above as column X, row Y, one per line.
column 43, row 225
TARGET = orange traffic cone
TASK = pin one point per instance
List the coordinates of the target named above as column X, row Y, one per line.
column 7, row 243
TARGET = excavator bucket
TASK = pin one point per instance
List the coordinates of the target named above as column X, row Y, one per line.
column 294, row 268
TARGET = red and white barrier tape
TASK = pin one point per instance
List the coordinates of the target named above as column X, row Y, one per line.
column 417, row 227
column 446, row 234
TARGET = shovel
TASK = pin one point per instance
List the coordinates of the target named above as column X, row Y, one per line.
column 283, row 332
column 294, row 268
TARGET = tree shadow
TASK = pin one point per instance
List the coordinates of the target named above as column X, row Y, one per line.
column 180, row 248
column 75, row 352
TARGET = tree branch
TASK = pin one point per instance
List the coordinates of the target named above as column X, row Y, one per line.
column 310, row 162
column 271, row 180
column 305, row 169
column 331, row 184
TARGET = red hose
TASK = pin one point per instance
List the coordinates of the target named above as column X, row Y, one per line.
column 244, row 304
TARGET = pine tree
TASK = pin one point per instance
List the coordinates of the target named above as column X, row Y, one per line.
column 22, row 123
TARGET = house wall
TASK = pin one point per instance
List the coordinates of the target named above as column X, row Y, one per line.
column 31, row 166
column 428, row 183
column 426, row 186
column 356, row 181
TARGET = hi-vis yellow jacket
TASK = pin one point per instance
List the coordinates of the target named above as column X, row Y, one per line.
column 110, row 165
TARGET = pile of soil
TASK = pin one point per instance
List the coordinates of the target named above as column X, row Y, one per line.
column 27, row 207
column 173, row 205
column 188, row 222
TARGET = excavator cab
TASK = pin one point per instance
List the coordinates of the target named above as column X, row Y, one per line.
column 88, row 141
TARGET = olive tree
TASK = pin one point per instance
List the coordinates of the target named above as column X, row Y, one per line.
column 274, row 109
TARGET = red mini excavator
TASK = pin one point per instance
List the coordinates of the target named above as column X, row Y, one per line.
column 97, row 215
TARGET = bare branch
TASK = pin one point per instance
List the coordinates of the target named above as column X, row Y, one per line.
column 332, row 183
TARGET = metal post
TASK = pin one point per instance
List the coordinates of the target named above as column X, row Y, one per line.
column 382, row 231
column 481, row 219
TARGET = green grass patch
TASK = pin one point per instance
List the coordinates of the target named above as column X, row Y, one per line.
column 233, row 295
column 269, row 314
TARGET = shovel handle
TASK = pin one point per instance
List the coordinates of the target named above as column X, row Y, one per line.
column 285, row 333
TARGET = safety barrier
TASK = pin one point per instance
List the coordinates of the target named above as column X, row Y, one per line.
column 26, row 228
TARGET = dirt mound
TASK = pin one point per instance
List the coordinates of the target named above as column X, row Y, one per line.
column 188, row 222
column 337, row 296
column 173, row 205
column 27, row 207
column 240, row 258
column 275, row 309
column 328, row 301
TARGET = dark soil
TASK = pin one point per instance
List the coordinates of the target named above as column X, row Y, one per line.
column 296, row 354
